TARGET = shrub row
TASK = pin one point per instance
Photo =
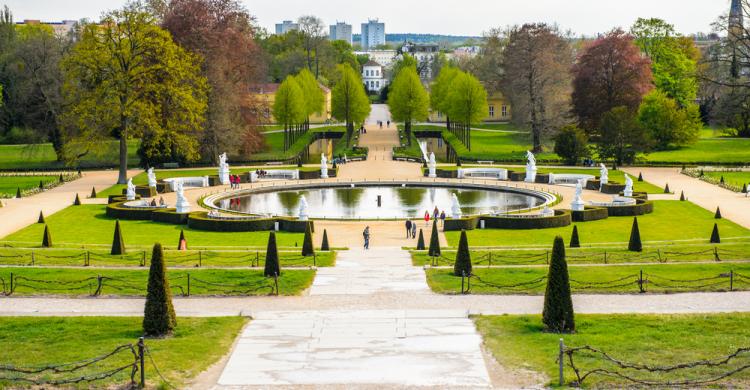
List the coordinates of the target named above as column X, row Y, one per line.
column 201, row 221
column 590, row 213
column 641, row 207
column 613, row 188
column 306, row 175
column 561, row 218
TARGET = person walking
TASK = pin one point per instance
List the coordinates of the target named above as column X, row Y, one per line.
column 408, row 228
column 442, row 218
column 427, row 218
column 389, row 124
column 366, row 235
column 435, row 213
column 414, row 230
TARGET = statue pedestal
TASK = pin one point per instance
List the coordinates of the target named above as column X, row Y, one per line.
column 182, row 206
column 577, row 205
column 432, row 173
column 530, row 175
column 224, row 176
column 324, row 173
column 628, row 193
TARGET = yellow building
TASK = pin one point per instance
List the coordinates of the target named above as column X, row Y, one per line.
column 498, row 110
column 266, row 93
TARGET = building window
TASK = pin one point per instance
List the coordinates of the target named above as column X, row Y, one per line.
column 440, row 114
column 492, row 111
column 377, row 84
column 505, row 110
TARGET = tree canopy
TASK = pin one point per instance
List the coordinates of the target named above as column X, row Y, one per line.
column 667, row 123
column 407, row 100
column 467, row 99
column 349, row 102
column 289, row 106
column 311, row 92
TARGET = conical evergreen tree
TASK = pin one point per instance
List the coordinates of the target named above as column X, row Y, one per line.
column 462, row 266
column 182, row 237
column 77, row 201
column 640, row 176
column 41, row 185
column 682, row 196
column 62, row 180
column 18, row 193
column 574, row 241
column 93, row 192
column 715, row 239
column 635, row 244
column 744, row 188
column 718, row 213
column 420, row 241
column 434, row 241
column 324, row 245
column 307, row 244
column 118, row 245
column 41, row 218
column 666, row 189
column 721, row 179
column 47, row 238
column 558, row 315
column 159, row 318
column 272, row 257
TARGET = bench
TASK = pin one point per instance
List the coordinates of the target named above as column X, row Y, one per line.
column 485, row 162
column 275, row 163
column 498, row 173
column 170, row 165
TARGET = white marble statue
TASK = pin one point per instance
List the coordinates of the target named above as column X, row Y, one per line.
column 552, row 178
column 323, row 166
column 628, row 186
column 223, row 169
column 182, row 204
column 578, row 204
column 603, row 175
column 151, row 177
column 530, row 167
column 431, row 165
column 130, row 193
column 303, row 208
column 455, row 206
column 547, row 212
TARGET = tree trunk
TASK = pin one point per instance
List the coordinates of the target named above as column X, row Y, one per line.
column 122, row 178
column 407, row 127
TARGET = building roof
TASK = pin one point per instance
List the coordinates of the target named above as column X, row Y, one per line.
column 372, row 63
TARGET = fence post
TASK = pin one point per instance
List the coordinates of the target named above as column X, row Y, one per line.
column 143, row 259
column 561, row 361
column 11, row 284
column 546, row 258
column 188, row 284
column 98, row 285
column 315, row 260
column 200, row 259
column 141, row 361
column 716, row 254
column 640, row 282
column 731, row 280
column 463, row 275
column 257, row 259
column 32, row 257
column 88, row 258
column 276, row 282
column 490, row 263
column 658, row 254
column 605, row 257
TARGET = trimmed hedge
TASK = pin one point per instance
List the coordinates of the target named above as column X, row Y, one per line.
column 517, row 176
column 593, row 185
column 613, row 188
column 561, row 218
column 306, row 175
column 200, row 221
column 441, row 173
column 120, row 198
column 641, row 207
column 169, row 216
column 118, row 211
column 142, row 191
column 590, row 213
column 541, row 178
column 467, row 223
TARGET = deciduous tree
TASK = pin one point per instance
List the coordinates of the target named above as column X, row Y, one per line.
column 622, row 137
column 289, row 107
column 440, row 89
column 407, row 100
column 571, row 143
column 467, row 102
column 667, row 123
column 349, row 102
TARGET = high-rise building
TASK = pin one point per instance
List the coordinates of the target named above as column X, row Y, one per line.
column 341, row 32
column 286, row 26
column 373, row 34
column 736, row 23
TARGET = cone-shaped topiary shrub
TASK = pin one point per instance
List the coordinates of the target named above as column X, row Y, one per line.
column 721, row 179
column 682, row 196
column 635, row 244
column 41, row 218
column 324, row 245
column 718, row 213
column 462, row 266
column 159, row 318
column 47, row 238
column 420, row 241
column 307, row 244
column 574, row 241
column 18, row 193
column 702, row 173
column 77, row 201
column 744, row 188
column 640, row 176
column 715, row 239
column 558, row 315
column 62, row 180
column 458, row 162
column 434, row 241
column 666, row 189
column 272, row 257
column 41, row 185
column 118, row 245
column 93, row 192
column 182, row 237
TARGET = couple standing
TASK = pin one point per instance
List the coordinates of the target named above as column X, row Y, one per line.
column 411, row 229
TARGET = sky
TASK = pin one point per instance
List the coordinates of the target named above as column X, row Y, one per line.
column 451, row 17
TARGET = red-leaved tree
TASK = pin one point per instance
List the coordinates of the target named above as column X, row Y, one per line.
column 609, row 73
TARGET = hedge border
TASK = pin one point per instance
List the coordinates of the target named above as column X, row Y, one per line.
column 590, row 213
column 641, row 207
column 561, row 218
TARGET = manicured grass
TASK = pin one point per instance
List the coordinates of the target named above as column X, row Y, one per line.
column 10, row 184
column 196, row 344
column 518, row 342
column 735, row 250
column 706, row 151
column 173, row 258
column 736, row 179
column 42, row 156
column 275, row 144
column 497, row 126
column 607, row 279
column 670, row 221
column 88, row 224
column 213, row 282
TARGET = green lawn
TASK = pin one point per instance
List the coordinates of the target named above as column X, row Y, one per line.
column 42, row 156
column 736, row 179
column 497, row 126
column 197, row 343
column 518, row 342
column 671, row 221
column 705, row 151
column 10, row 184
column 608, row 279
column 275, row 143
column 120, row 282
column 87, row 224
column 173, row 258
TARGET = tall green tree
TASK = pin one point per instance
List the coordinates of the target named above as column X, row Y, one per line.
column 440, row 89
column 311, row 93
column 125, row 76
column 667, row 123
column 289, row 107
column 407, row 100
column 349, row 102
column 467, row 102
column 622, row 136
